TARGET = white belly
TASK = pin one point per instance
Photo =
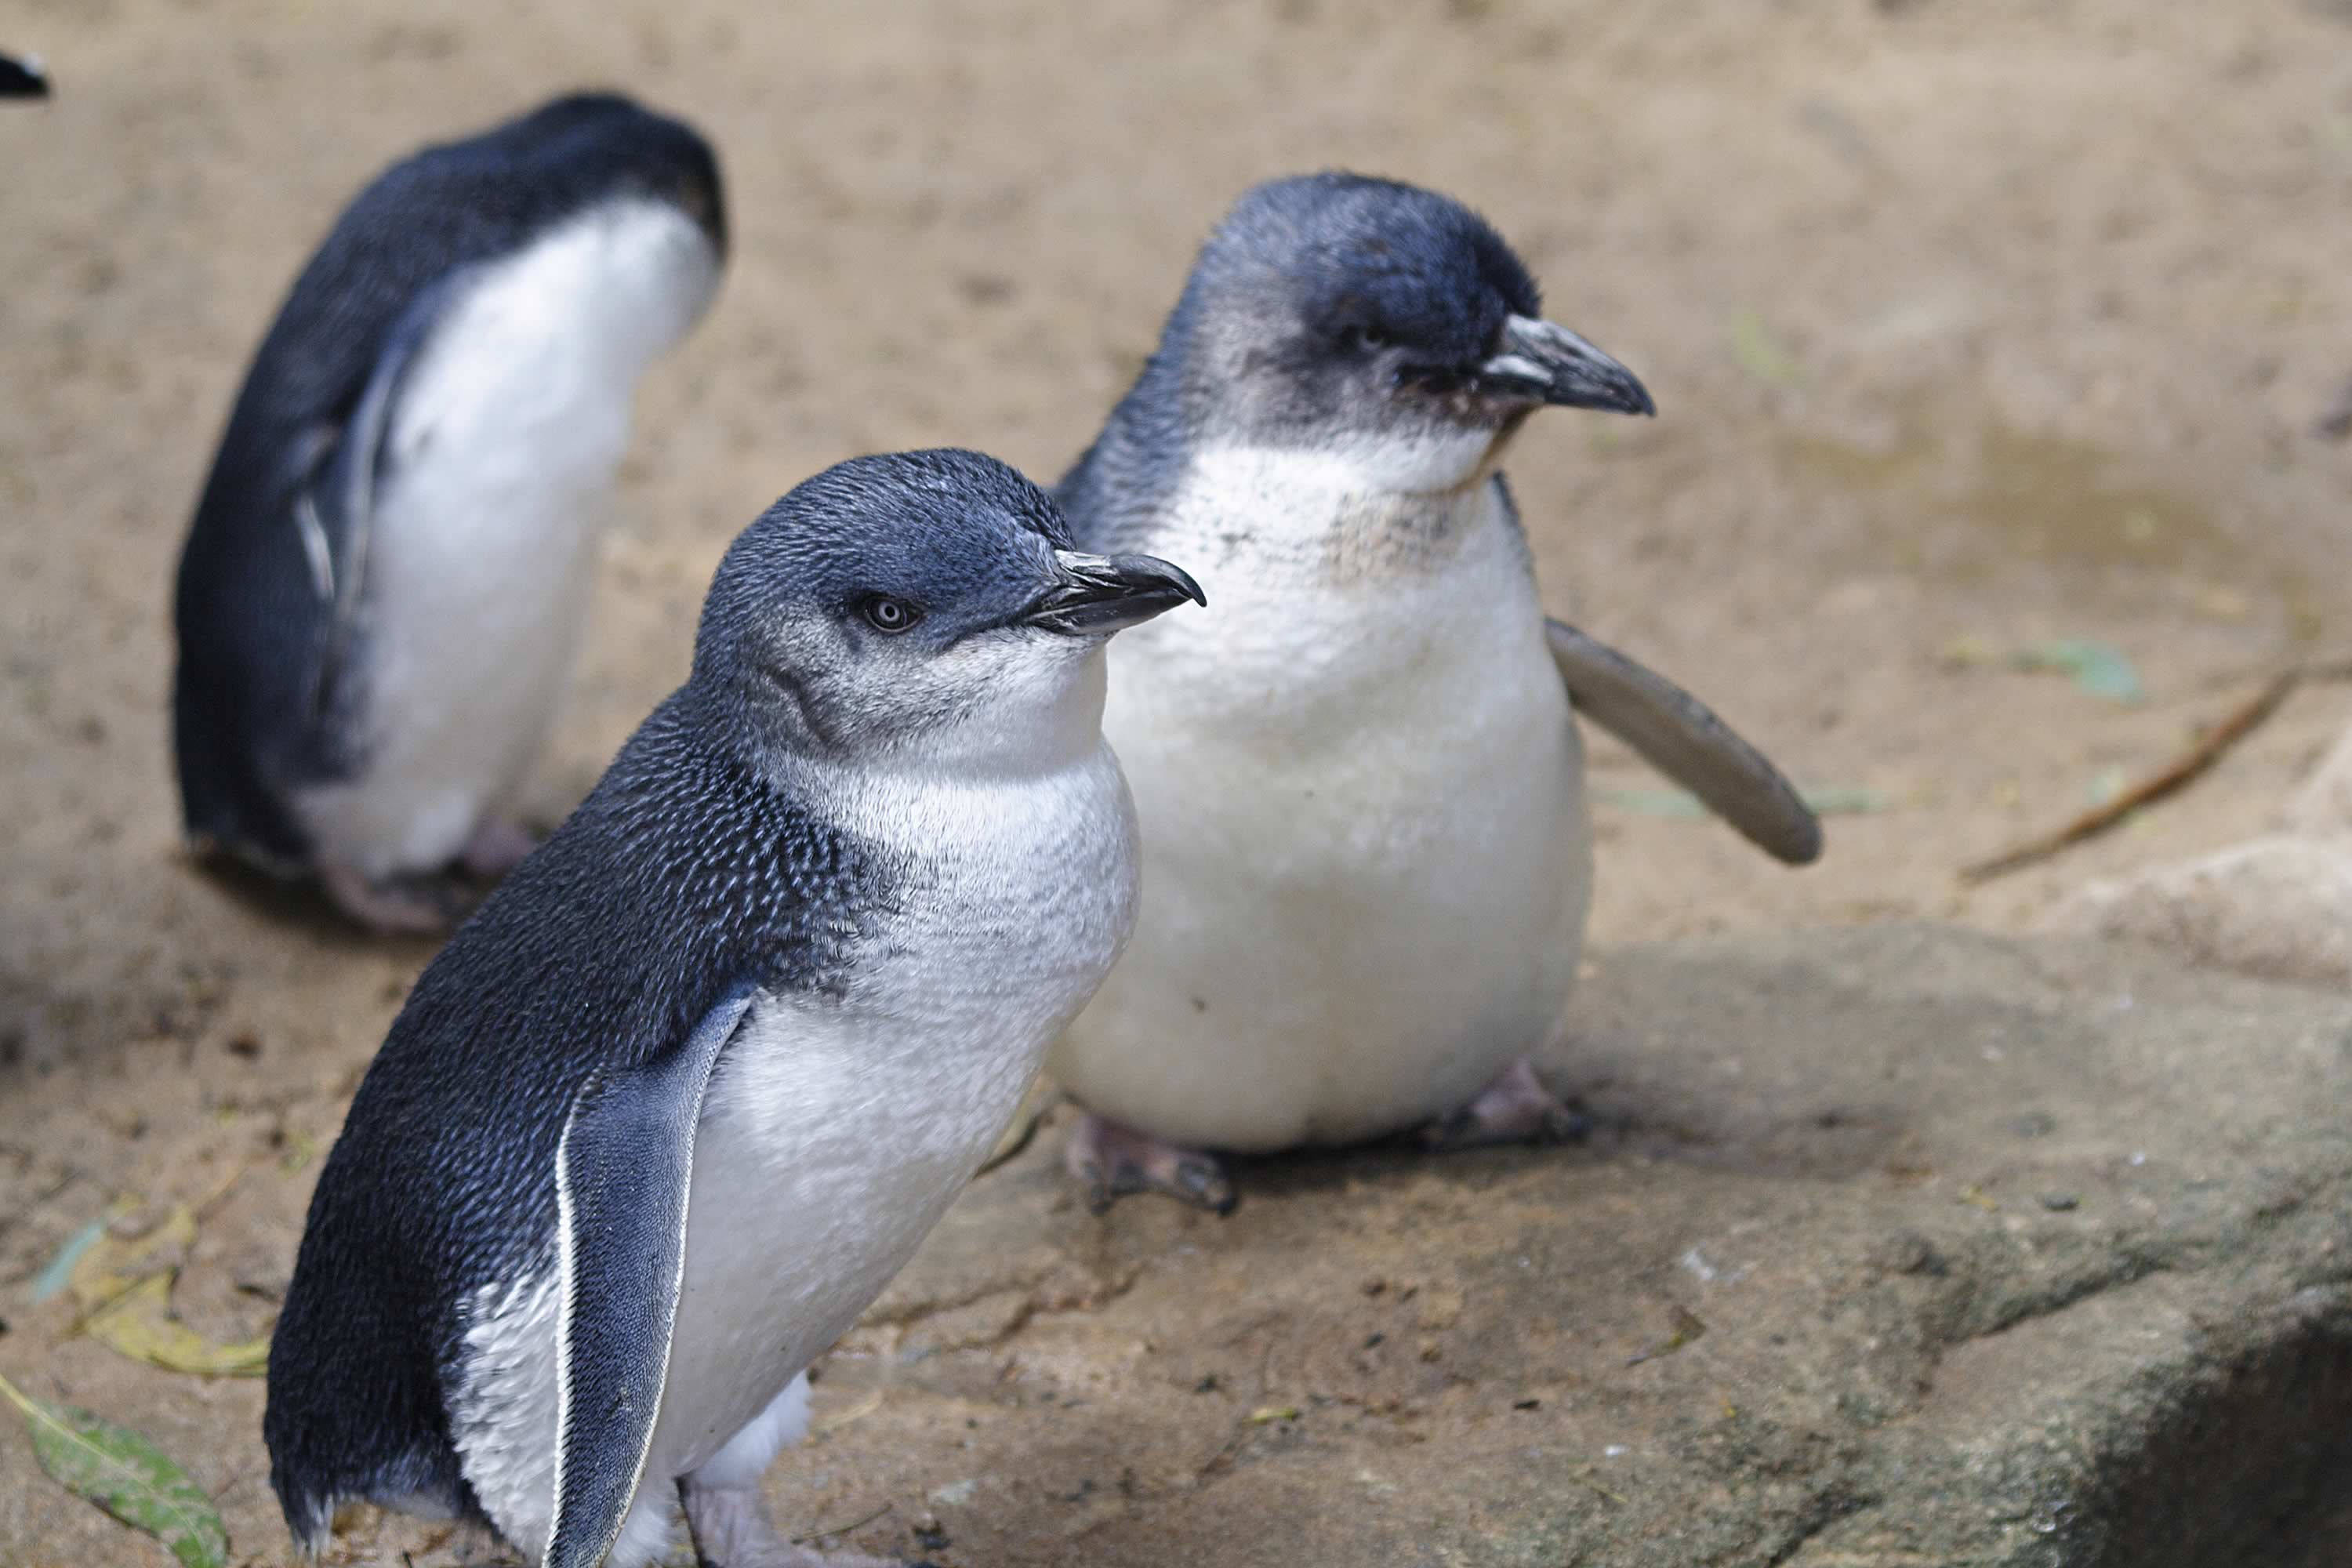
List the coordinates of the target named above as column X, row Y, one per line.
column 835, row 1134
column 482, row 555
column 1367, row 865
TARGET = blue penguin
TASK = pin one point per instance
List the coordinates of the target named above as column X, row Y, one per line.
column 392, row 559
column 22, row 76
column 680, row 1098
column 1367, row 863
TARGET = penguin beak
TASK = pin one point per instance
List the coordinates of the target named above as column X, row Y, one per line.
column 1099, row 595
column 1545, row 362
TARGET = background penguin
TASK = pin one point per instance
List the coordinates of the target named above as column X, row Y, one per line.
column 389, row 565
column 670, row 1110
column 21, row 76
column 1368, row 862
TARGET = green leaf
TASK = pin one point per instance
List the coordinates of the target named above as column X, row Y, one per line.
column 1651, row 802
column 1830, row 800
column 125, row 1475
column 54, row 1278
column 1760, row 354
column 2098, row 669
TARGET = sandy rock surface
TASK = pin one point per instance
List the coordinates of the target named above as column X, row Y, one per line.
column 2279, row 905
column 1897, row 1246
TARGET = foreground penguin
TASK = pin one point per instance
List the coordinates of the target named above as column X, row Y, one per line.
column 674, row 1105
column 392, row 557
column 1368, row 862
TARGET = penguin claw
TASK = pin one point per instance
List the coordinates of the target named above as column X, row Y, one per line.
column 497, row 847
column 1515, row 1109
column 729, row 1528
column 1111, row 1161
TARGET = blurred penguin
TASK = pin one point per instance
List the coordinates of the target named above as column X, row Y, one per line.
column 391, row 560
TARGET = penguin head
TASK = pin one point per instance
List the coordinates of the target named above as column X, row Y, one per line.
column 920, row 610
column 591, row 147
column 1376, row 322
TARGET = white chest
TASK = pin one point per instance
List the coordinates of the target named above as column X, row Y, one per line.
column 482, row 554
column 1366, row 857
column 835, row 1132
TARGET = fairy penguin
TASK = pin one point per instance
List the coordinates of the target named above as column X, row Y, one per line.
column 1367, row 859
column 391, row 560
column 22, row 76
column 680, row 1098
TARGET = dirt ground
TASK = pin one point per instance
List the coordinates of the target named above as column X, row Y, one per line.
column 1973, row 328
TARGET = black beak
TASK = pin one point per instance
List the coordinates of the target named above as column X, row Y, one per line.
column 1099, row 595
column 1545, row 362
column 22, row 77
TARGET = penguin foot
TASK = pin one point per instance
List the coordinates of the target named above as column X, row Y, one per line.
column 1514, row 1109
column 730, row 1529
column 402, row 906
column 1111, row 1161
column 497, row 847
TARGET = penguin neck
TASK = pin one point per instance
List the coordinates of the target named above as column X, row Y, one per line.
column 640, row 269
column 1022, row 740
column 1342, row 511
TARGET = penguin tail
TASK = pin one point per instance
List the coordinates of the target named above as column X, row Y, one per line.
column 309, row 1519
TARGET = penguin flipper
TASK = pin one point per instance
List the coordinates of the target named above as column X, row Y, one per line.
column 1683, row 738
column 336, row 513
column 622, row 1169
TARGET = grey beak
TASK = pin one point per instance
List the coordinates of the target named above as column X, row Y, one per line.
column 1099, row 595
column 1546, row 362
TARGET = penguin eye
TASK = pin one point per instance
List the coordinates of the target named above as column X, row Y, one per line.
column 888, row 615
column 1366, row 339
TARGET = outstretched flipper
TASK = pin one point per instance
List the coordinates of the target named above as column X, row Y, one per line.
column 1682, row 738
column 623, row 1171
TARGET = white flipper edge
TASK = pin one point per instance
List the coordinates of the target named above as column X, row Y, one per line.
column 623, row 1171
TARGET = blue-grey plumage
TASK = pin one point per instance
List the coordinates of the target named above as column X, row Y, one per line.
column 392, row 554
column 1367, row 858
column 679, row 1098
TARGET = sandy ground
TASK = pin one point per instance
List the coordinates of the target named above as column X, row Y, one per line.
column 1972, row 327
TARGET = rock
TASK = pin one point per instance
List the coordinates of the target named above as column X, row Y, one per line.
column 2279, row 906
column 1805, row 1301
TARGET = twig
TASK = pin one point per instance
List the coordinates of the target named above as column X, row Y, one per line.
column 1017, row 1137
column 839, row 1531
column 857, row 1412
column 2210, row 747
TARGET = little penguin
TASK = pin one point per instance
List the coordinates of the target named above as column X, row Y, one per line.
column 1367, row 863
column 390, row 561
column 681, row 1096
column 21, row 76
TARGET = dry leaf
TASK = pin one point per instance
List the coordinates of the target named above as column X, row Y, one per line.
column 127, row 1304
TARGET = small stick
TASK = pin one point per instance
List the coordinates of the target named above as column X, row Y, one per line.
column 2210, row 748
column 1017, row 1136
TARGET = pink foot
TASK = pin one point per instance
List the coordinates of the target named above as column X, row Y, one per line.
column 386, row 906
column 1514, row 1109
column 729, row 1528
column 1113, row 1161
column 497, row 847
